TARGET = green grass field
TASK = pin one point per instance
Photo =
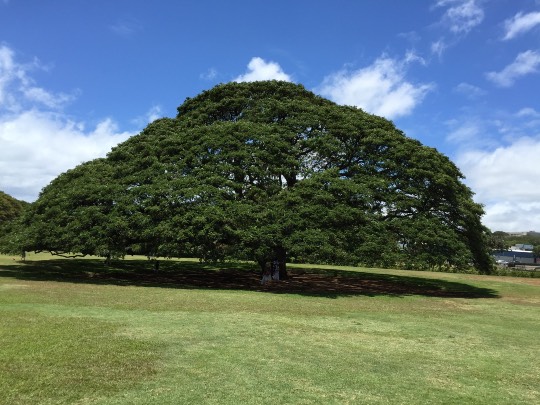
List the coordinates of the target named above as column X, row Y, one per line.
column 74, row 331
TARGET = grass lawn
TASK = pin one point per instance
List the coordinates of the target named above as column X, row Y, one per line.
column 74, row 331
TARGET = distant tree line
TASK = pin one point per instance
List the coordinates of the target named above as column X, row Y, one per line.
column 502, row 241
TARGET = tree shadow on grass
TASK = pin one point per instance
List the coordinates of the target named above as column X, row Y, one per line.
column 239, row 276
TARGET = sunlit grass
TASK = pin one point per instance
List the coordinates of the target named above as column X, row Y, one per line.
column 109, row 339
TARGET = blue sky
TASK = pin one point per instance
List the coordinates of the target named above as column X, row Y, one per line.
column 463, row 76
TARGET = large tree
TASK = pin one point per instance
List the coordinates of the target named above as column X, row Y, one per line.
column 264, row 171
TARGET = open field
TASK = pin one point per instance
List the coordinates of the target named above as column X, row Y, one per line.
column 74, row 331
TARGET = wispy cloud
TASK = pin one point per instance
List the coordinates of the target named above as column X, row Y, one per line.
column 411, row 56
column 469, row 90
column 18, row 90
column 461, row 16
column 54, row 101
column 151, row 115
column 126, row 27
column 525, row 63
column 466, row 132
column 380, row 88
column 259, row 69
column 489, row 132
column 438, row 47
column 528, row 112
column 520, row 23
column 210, row 74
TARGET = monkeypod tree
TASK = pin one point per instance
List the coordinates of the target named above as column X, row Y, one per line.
column 267, row 171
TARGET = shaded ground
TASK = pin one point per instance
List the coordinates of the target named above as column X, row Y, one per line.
column 238, row 276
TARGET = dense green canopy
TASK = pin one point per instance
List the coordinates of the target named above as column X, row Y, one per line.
column 262, row 171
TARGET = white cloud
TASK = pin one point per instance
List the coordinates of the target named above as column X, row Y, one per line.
column 512, row 217
column 9, row 73
column 151, row 115
column 412, row 56
column 38, row 141
column 38, row 146
column 520, row 24
column 467, row 132
column 528, row 112
column 126, row 27
column 42, row 96
column 469, row 90
column 525, row 63
column 505, row 180
column 259, row 69
column 438, row 47
column 461, row 16
column 154, row 113
column 17, row 89
column 380, row 88
column 210, row 74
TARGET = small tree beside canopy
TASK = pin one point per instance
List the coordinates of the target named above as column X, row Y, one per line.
column 11, row 210
column 264, row 171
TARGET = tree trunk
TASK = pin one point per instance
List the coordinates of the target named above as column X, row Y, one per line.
column 262, row 265
column 281, row 257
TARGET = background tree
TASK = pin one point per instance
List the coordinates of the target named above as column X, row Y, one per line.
column 10, row 208
column 498, row 240
column 264, row 171
column 531, row 238
column 10, row 211
column 536, row 250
